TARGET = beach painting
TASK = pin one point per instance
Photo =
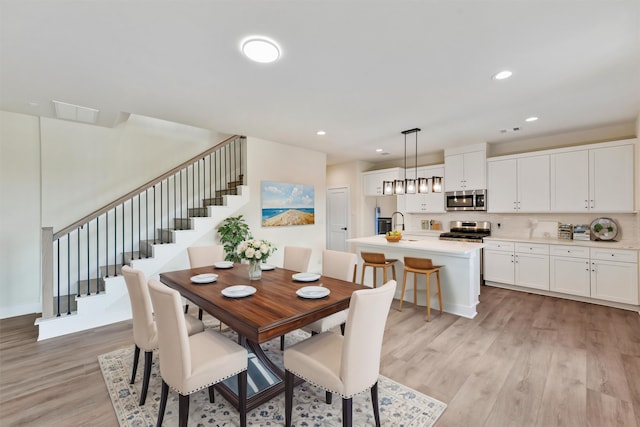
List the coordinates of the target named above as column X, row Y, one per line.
column 287, row 204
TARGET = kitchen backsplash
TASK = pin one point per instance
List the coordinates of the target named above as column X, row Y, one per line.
column 519, row 225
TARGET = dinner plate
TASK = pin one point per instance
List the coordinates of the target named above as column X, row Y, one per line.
column 204, row 278
column 238, row 291
column 305, row 277
column 313, row 292
column 267, row 267
column 223, row 264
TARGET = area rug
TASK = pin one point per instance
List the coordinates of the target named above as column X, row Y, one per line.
column 399, row 405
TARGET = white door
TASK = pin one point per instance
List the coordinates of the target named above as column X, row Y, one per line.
column 570, row 276
column 611, row 175
column 533, row 184
column 337, row 218
column 532, row 270
column 570, row 181
column 502, row 186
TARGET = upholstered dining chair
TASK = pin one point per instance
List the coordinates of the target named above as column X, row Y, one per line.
column 296, row 258
column 346, row 365
column 145, row 333
column 203, row 256
column 192, row 363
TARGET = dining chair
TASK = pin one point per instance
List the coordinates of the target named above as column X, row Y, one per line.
column 296, row 258
column 203, row 256
column 145, row 333
column 346, row 365
column 191, row 363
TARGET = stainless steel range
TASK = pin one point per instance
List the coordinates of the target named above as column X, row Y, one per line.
column 467, row 231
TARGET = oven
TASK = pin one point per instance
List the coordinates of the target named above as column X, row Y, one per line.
column 468, row 231
column 467, row 200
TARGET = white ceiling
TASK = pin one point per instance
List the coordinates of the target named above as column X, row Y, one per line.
column 363, row 71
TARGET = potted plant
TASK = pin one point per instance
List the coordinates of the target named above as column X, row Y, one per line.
column 233, row 231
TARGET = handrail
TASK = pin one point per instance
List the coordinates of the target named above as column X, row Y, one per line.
column 141, row 188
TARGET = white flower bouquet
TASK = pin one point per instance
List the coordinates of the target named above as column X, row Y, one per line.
column 255, row 250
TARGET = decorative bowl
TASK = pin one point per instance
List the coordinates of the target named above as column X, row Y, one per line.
column 393, row 239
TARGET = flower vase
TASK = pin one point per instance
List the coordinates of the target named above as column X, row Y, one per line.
column 255, row 270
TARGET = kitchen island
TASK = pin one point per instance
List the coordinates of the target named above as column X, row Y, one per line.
column 460, row 278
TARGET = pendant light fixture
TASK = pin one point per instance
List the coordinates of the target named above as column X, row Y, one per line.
column 411, row 185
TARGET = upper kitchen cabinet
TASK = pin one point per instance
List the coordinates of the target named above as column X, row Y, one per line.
column 598, row 178
column 465, row 168
column 372, row 181
column 518, row 184
column 424, row 202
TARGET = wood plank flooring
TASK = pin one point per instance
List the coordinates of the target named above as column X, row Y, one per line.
column 525, row 360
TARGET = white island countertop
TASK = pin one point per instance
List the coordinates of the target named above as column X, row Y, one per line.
column 450, row 247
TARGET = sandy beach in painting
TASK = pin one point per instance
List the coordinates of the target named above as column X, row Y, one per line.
column 290, row 217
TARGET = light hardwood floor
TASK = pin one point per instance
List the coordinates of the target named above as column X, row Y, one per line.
column 525, row 360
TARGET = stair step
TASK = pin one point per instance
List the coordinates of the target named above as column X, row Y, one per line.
column 198, row 212
column 130, row 256
column 110, row 270
column 182, row 224
column 227, row 192
column 213, row 201
column 94, row 284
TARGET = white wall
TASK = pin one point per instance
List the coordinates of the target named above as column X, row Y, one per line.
column 271, row 161
column 19, row 214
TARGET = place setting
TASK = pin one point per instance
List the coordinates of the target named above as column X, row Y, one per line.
column 238, row 291
column 223, row 264
column 313, row 292
column 204, row 278
column 305, row 277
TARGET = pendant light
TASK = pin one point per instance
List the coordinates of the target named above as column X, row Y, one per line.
column 411, row 185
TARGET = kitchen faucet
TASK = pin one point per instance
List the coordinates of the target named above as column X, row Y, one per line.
column 402, row 215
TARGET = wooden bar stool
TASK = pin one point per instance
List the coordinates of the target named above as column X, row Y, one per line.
column 376, row 260
column 421, row 266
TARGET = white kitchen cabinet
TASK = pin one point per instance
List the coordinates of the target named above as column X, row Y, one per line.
column 518, row 184
column 372, row 181
column 498, row 259
column 425, row 202
column 532, row 265
column 614, row 275
column 593, row 180
column 465, row 171
column 569, row 270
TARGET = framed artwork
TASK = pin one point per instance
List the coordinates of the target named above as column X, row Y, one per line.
column 287, row 204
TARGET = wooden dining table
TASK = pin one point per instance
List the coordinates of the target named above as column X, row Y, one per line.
column 273, row 310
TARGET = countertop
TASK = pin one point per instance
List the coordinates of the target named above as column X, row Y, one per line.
column 551, row 241
column 428, row 244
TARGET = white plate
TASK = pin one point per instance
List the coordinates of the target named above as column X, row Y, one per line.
column 223, row 264
column 313, row 292
column 238, row 291
column 267, row 267
column 305, row 277
column 204, row 278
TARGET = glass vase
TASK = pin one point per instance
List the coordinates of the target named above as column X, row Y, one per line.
column 255, row 270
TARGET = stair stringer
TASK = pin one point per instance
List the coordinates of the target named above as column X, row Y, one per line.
column 113, row 304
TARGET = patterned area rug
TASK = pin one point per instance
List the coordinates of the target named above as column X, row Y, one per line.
column 399, row 405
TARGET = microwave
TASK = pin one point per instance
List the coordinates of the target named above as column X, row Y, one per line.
column 467, row 200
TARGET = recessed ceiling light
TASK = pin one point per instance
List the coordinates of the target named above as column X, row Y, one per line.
column 321, row 132
column 531, row 119
column 504, row 74
column 379, row 150
column 260, row 49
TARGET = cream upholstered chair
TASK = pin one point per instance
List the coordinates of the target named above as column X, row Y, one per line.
column 191, row 363
column 203, row 256
column 339, row 265
column 346, row 365
column 145, row 333
column 296, row 258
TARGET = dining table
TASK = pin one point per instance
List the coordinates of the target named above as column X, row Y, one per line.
column 263, row 310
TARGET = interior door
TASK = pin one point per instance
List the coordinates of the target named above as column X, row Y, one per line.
column 337, row 218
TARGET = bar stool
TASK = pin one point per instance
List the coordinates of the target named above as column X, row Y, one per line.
column 421, row 266
column 376, row 260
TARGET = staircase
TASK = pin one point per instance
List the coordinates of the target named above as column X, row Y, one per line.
column 97, row 294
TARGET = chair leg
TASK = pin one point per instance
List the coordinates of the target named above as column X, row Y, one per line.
column 328, row 397
column 183, row 410
column 428, row 297
column 347, row 412
column 415, row 289
column 186, row 308
column 289, row 379
column 199, row 314
column 364, row 267
column 404, row 284
column 212, row 397
column 136, row 356
column 439, row 291
column 342, row 328
column 281, row 342
column 375, row 278
column 393, row 271
column 163, row 403
column 242, row 397
column 148, row 361
column 374, row 402
column 384, row 275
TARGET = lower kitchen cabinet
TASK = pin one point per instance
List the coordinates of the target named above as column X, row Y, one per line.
column 570, row 275
column 517, row 264
column 613, row 280
column 532, row 270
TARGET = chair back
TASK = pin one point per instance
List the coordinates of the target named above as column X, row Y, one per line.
column 418, row 263
column 339, row 265
column 145, row 334
column 173, row 341
column 203, row 256
column 296, row 258
column 363, row 335
column 373, row 258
